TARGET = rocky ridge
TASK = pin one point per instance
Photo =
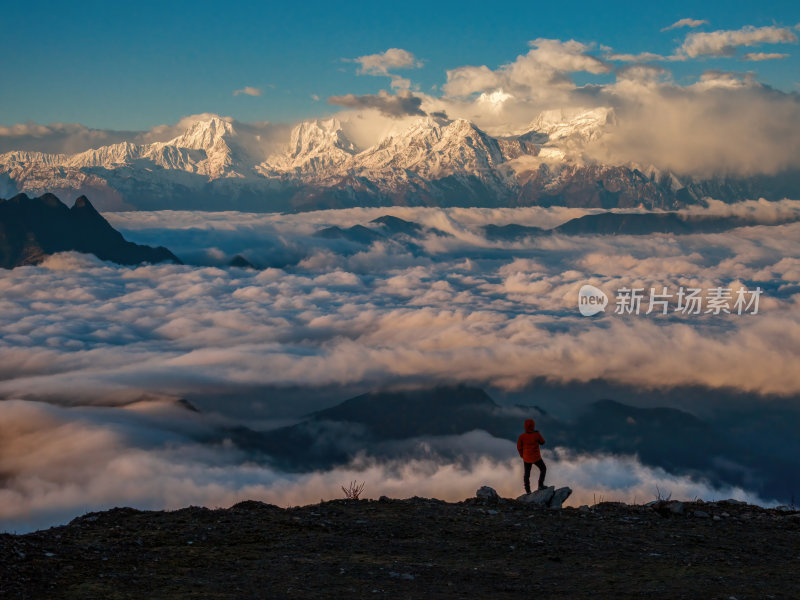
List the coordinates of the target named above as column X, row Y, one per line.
column 413, row 548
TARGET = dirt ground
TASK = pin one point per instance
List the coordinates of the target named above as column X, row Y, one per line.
column 414, row 548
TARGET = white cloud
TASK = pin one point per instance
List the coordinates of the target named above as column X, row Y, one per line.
column 758, row 56
column 640, row 57
column 381, row 63
column 539, row 74
column 725, row 42
column 738, row 127
column 688, row 22
column 248, row 91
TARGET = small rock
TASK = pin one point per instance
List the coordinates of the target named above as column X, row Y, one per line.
column 487, row 494
column 784, row 508
column 383, row 499
column 676, row 507
column 492, row 512
column 584, row 508
column 701, row 514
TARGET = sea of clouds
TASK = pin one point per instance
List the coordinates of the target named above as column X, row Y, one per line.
column 95, row 356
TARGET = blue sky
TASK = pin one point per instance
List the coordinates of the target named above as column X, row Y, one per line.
column 135, row 65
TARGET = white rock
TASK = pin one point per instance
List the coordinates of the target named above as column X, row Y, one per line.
column 559, row 496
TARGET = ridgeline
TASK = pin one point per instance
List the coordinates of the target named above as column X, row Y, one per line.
column 415, row 548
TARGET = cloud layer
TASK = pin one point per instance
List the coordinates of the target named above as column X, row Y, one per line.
column 110, row 349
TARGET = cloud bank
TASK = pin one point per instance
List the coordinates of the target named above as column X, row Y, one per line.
column 332, row 312
column 97, row 355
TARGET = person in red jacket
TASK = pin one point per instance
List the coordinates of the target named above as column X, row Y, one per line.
column 528, row 447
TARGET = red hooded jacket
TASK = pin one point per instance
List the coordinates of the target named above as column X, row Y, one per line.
column 528, row 443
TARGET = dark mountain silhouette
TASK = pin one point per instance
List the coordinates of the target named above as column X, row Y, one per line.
column 395, row 225
column 511, row 232
column 605, row 223
column 411, row 413
column 614, row 223
column 383, row 228
column 335, row 435
column 357, row 233
column 33, row 228
column 241, row 261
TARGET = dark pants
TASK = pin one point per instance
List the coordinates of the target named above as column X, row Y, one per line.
column 542, row 471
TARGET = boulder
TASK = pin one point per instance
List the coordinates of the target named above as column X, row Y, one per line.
column 541, row 497
column 549, row 497
column 487, row 494
column 559, row 496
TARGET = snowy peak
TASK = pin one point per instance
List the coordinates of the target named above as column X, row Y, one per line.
column 315, row 147
column 205, row 135
column 311, row 137
column 433, row 148
column 216, row 138
column 572, row 126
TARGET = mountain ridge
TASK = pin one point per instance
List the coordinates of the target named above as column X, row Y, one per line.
column 432, row 161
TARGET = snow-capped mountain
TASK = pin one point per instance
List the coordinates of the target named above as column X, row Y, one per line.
column 315, row 148
column 431, row 161
column 576, row 125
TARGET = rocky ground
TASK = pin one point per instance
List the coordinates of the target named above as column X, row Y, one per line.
column 416, row 548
